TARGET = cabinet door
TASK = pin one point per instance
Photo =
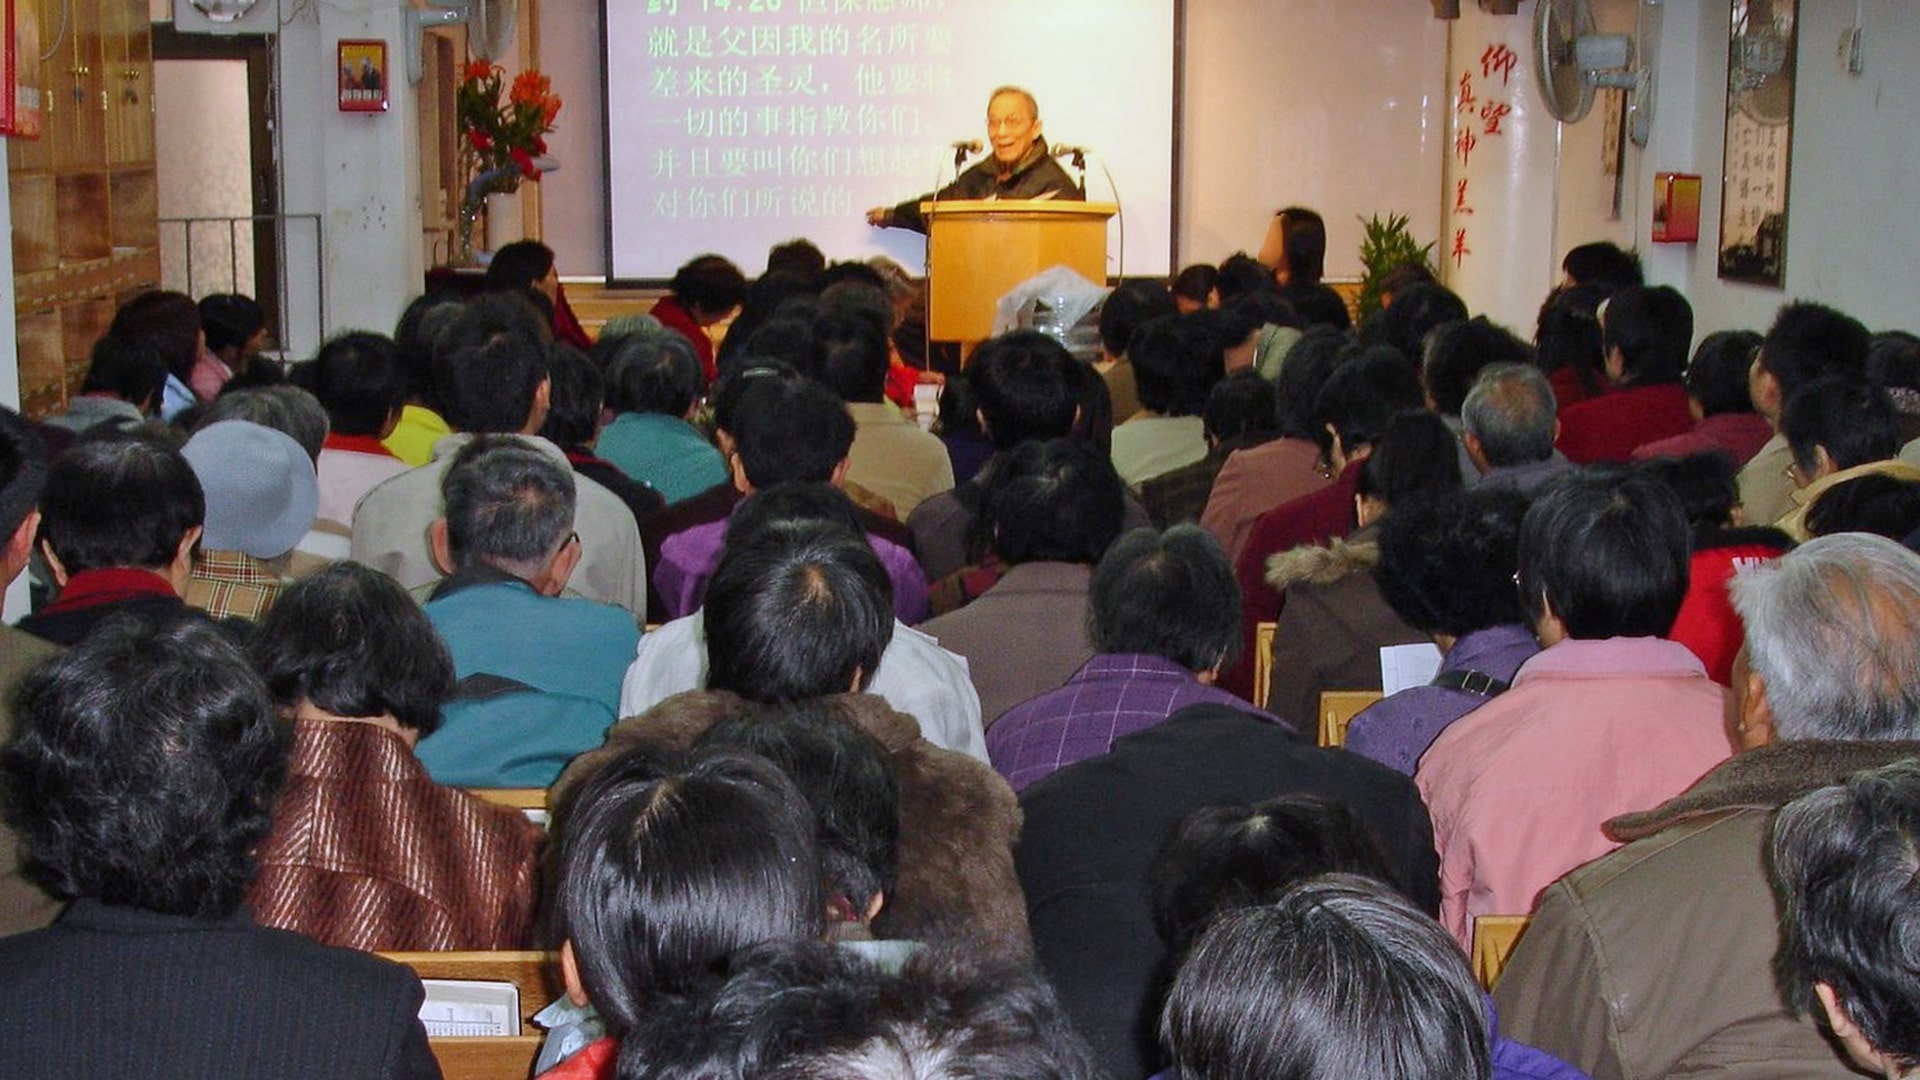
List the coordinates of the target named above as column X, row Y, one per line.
column 76, row 78
column 128, row 47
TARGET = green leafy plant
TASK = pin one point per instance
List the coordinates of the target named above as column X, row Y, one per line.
column 1385, row 245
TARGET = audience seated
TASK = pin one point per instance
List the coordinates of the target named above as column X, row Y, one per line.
column 1257, row 479
column 289, row 410
column 1645, row 332
column 803, row 614
column 1601, row 263
column 1721, row 547
column 420, row 424
column 170, row 323
column 891, row 457
column 491, row 375
column 1838, row 430
column 141, row 777
column 23, row 475
column 1402, row 276
column 1446, row 569
column 1893, row 364
column 1056, row 510
column 122, row 387
column 702, row 294
column 260, row 494
column 1454, row 355
column 1333, row 622
column 1656, row 960
column 1608, row 717
column 508, row 547
column 234, row 329
column 1416, row 313
column 1720, row 401
column 1240, row 413
column 358, row 379
column 1352, row 410
column 1175, row 362
column 366, row 850
column 1882, row 505
column 1508, row 427
column 575, row 409
column 792, row 435
column 528, row 265
column 1567, row 342
column 1161, row 614
column 119, row 519
column 654, row 385
column 1192, row 288
column 1805, row 342
column 1126, row 309
column 1841, row 859
column 1295, row 249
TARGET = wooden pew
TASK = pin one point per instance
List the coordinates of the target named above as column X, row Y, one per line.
column 537, row 974
column 1337, row 710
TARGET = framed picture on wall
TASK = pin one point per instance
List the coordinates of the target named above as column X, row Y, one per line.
column 363, row 76
column 1759, row 147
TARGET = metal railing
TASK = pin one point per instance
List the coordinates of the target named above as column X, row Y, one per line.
column 209, row 231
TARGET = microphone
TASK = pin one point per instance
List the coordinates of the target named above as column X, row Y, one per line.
column 1071, row 151
column 967, row 146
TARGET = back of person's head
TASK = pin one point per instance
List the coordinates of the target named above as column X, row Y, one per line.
column 1717, row 377
column 1833, row 628
column 1605, row 552
column 782, row 340
column 1457, row 352
column 1567, row 334
column 764, row 297
column 1176, row 360
column 23, row 473
column 1511, row 413
column 1706, row 484
column 653, row 371
column 576, row 392
column 671, row 863
column 143, row 768
column 1240, row 406
column 1022, row 383
column 1415, row 457
column 1242, row 275
column 1416, row 312
column 130, row 370
column 1307, row 366
column 1604, row 264
column 863, row 296
column 115, row 500
column 1229, row 856
column 1893, row 360
column 1370, row 386
column 1264, row 308
column 1447, row 563
column 492, row 385
column 1652, row 327
column 507, row 505
column 1883, row 505
column 519, row 265
column 413, row 337
column 1129, row 307
column 359, row 381
column 1808, row 341
column 1055, row 501
column 1852, row 420
column 770, row 508
column 1194, row 285
column 258, row 486
column 169, row 321
column 800, row 611
column 1303, row 239
column 290, row 410
column 850, row 356
column 1842, row 869
column 789, row 430
column 349, row 640
column 1340, row 978
column 1402, row 276
column 1095, row 402
column 847, row 779
column 1170, row 595
column 230, row 320
column 709, row 285
column 731, row 387
column 799, row 256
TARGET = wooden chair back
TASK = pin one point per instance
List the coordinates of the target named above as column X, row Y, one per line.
column 1493, row 939
column 1262, row 662
column 510, row 1057
column 1337, row 710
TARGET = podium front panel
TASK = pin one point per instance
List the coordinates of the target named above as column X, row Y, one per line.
column 979, row 250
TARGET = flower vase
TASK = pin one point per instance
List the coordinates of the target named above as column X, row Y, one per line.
column 466, row 219
column 503, row 219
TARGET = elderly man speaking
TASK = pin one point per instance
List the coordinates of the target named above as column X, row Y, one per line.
column 1020, row 167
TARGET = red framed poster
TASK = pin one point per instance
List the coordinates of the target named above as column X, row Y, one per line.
column 363, row 76
column 20, row 98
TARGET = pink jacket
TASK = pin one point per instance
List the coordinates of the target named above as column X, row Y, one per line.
column 1518, row 788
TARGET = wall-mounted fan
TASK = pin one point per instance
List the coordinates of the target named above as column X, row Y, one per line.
column 1571, row 60
column 489, row 28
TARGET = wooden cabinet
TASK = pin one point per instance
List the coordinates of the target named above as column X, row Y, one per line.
column 84, row 195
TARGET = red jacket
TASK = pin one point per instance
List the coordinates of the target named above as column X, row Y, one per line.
column 678, row 319
column 1707, row 623
column 1610, row 427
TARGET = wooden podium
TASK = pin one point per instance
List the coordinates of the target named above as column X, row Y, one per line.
column 979, row 249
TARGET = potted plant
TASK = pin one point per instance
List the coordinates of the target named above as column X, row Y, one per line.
column 502, row 140
column 1385, row 245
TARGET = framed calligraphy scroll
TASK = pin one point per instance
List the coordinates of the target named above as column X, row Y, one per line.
column 1759, row 147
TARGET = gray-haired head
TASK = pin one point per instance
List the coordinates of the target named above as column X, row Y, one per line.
column 1511, row 411
column 1833, row 628
column 507, row 505
column 286, row 409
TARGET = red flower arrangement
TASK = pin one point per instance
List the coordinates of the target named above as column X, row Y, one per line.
column 502, row 142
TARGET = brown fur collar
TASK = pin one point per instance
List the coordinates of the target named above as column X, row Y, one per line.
column 1312, row 564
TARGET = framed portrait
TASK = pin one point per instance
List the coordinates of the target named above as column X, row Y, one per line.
column 363, row 76
column 1759, row 149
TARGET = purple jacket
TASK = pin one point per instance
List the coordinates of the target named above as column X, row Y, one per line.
column 1395, row 732
column 689, row 557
